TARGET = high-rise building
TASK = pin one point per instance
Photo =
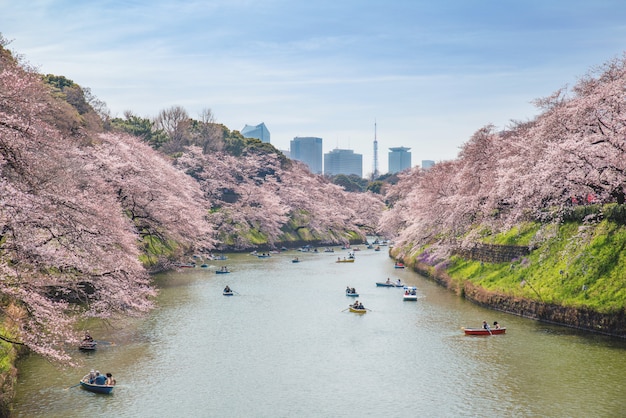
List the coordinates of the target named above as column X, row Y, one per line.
column 399, row 159
column 426, row 164
column 343, row 161
column 257, row 131
column 308, row 149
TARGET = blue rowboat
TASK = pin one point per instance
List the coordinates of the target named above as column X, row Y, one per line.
column 228, row 293
column 222, row 271
column 392, row 284
column 91, row 387
column 352, row 294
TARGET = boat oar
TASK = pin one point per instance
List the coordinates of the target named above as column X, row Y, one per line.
column 73, row 386
column 237, row 293
column 345, row 309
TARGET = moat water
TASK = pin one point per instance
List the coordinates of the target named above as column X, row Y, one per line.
column 285, row 346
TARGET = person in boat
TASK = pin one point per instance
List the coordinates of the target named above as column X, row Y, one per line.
column 348, row 290
column 353, row 290
column 100, row 379
column 388, row 281
column 399, row 283
column 486, row 326
column 110, row 380
column 87, row 338
column 91, row 377
column 496, row 325
column 227, row 289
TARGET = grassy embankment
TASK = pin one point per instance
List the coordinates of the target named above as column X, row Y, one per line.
column 573, row 264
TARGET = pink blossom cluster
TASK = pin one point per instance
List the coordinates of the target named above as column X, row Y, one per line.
column 534, row 170
column 79, row 206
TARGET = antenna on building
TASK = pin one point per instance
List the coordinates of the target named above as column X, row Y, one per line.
column 375, row 168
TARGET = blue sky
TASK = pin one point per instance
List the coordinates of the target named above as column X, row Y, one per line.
column 429, row 73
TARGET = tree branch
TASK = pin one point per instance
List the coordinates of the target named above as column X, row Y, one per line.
column 3, row 338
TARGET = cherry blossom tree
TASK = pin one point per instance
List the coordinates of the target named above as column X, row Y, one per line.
column 258, row 191
column 573, row 151
column 66, row 246
column 77, row 210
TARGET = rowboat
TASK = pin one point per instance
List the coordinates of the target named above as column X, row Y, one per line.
column 87, row 345
column 391, row 284
column 399, row 265
column 92, row 387
column 345, row 260
column 295, row 260
column 483, row 331
column 222, row 271
column 357, row 310
column 410, row 293
column 228, row 293
column 105, row 389
column 352, row 294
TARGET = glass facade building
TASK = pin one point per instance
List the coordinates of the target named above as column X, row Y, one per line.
column 426, row 164
column 307, row 149
column 343, row 161
column 399, row 159
column 257, row 131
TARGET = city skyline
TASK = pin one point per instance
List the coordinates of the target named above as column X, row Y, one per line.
column 309, row 150
column 430, row 74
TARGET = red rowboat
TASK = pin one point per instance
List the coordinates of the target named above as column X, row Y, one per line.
column 482, row 331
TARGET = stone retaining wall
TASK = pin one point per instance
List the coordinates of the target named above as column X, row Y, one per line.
column 491, row 253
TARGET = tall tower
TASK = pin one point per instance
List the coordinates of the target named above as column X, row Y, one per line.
column 375, row 168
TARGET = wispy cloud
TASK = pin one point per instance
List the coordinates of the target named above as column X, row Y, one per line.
column 431, row 73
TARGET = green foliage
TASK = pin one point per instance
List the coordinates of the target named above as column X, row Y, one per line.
column 375, row 186
column 578, row 266
column 155, row 248
column 579, row 212
column 234, row 142
column 59, row 82
column 7, row 352
column 518, row 235
column 142, row 128
column 615, row 212
column 349, row 183
column 8, row 372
